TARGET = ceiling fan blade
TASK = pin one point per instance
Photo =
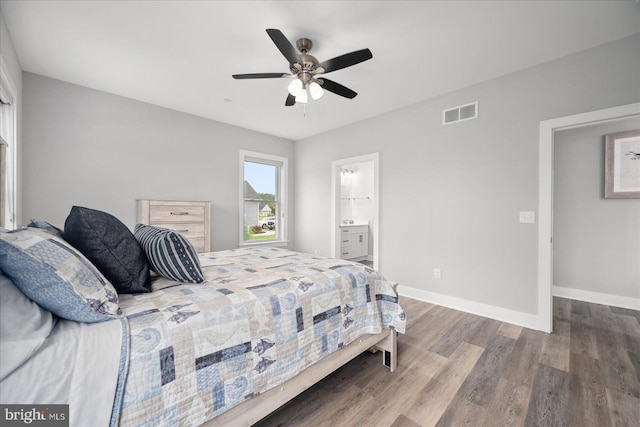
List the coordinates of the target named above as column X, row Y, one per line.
column 260, row 76
column 284, row 46
column 337, row 88
column 346, row 60
column 291, row 100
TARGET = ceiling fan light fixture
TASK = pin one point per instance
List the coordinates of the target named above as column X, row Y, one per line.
column 304, row 68
column 315, row 90
column 295, row 87
column 302, row 97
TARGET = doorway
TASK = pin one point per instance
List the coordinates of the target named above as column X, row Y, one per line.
column 545, row 197
column 355, row 205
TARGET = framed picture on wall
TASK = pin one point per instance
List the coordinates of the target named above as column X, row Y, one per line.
column 622, row 165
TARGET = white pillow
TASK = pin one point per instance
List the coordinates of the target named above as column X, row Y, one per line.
column 24, row 326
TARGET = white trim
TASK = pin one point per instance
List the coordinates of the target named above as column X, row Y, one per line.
column 597, row 297
column 283, row 188
column 335, row 206
column 274, row 243
column 4, row 74
column 493, row 312
column 11, row 190
column 545, row 196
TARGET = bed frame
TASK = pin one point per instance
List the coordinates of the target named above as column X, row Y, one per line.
column 253, row 410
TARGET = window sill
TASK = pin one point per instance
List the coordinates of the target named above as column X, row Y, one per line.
column 265, row 243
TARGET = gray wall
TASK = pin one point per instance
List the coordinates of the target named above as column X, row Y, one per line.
column 450, row 195
column 90, row 148
column 596, row 240
column 465, row 183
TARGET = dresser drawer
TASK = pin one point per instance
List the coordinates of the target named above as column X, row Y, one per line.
column 192, row 219
column 170, row 213
column 190, row 230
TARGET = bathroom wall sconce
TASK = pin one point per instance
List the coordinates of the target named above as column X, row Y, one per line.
column 344, row 172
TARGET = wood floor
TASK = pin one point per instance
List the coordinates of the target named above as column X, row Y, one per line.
column 458, row 369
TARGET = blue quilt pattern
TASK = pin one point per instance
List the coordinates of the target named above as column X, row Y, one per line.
column 262, row 316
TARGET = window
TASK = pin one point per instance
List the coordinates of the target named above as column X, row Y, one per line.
column 263, row 198
column 7, row 151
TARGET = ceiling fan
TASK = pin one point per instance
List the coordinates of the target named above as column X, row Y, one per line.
column 306, row 70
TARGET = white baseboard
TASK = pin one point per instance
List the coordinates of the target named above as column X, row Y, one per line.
column 519, row 318
column 597, row 297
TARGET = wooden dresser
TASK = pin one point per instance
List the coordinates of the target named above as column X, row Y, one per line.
column 190, row 218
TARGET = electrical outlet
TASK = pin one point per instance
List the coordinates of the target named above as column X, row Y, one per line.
column 437, row 273
column 527, row 217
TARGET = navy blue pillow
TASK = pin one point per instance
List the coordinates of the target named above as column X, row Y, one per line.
column 111, row 247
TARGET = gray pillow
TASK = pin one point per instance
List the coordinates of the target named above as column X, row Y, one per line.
column 44, row 225
column 111, row 247
column 56, row 276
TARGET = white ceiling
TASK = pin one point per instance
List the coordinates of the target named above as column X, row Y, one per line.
column 181, row 54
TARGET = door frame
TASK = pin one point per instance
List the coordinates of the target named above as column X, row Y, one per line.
column 335, row 203
column 545, row 197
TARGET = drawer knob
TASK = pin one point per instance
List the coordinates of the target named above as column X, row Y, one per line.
column 179, row 213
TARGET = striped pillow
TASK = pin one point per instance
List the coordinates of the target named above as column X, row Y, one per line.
column 170, row 254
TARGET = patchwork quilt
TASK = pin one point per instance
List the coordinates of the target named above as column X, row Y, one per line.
column 262, row 316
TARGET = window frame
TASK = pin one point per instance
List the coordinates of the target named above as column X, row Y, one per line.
column 9, row 136
column 282, row 178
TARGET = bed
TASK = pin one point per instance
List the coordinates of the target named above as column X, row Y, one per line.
column 263, row 325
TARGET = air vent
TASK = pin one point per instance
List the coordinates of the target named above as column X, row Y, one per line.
column 461, row 113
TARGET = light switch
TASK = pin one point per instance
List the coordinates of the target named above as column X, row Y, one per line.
column 527, row 217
